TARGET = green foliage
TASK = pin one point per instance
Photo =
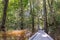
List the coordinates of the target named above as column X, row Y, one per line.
column 25, row 2
column 57, row 5
column 14, row 5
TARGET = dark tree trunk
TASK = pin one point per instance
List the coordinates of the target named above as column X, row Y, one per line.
column 33, row 24
column 21, row 14
column 32, row 14
column 45, row 16
column 4, row 18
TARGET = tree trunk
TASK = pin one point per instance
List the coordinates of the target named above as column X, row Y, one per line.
column 45, row 16
column 21, row 14
column 4, row 19
column 32, row 14
column 33, row 24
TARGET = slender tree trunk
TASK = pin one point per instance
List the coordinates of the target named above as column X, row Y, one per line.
column 33, row 24
column 45, row 16
column 32, row 14
column 4, row 18
column 38, row 24
column 21, row 14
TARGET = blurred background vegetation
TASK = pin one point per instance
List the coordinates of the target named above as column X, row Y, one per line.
column 32, row 14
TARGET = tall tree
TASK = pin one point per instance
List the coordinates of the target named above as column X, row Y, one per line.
column 4, row 15
column 4, row 18
column 21, row 13
column 45, row 16
column 32, row 13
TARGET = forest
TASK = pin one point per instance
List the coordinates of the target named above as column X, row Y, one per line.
column 20, row 19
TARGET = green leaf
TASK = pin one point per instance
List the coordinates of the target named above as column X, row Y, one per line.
column 25, row 2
